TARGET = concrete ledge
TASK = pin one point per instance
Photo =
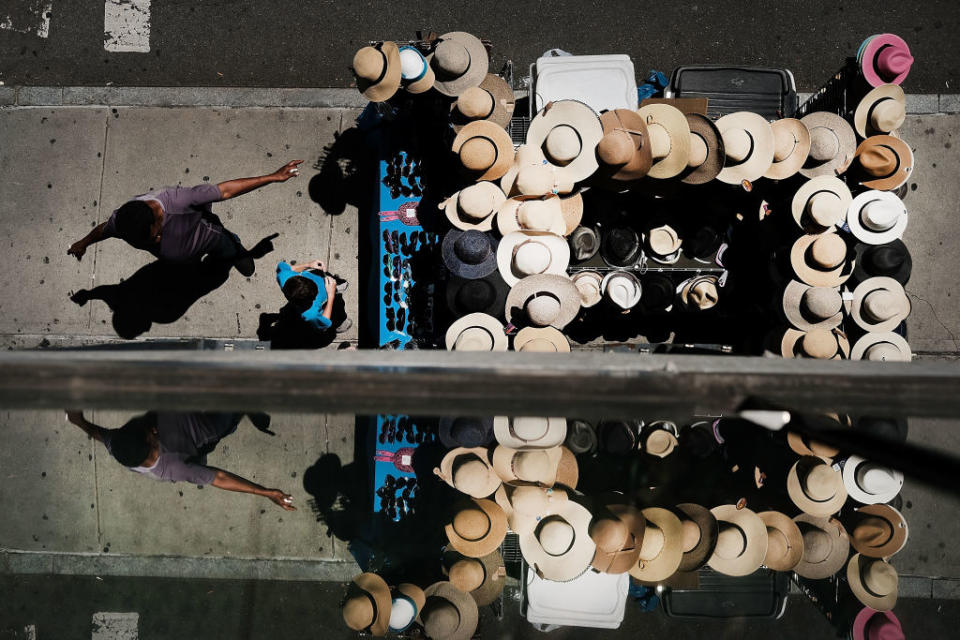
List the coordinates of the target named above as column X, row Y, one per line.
column 923, row 103
column 40, row 96
column 950, row 103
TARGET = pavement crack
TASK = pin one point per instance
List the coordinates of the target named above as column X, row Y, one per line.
column 936, row 317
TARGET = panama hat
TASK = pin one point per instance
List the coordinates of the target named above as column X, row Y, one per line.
column 659, row 439
column 658, row 292
column 525, row 433
column 408, row 601
column 741, row 542
column 540, row 340
column 483, row 578
column 469, row 254
column 881, row 111
column 870, row 483
column 791, row 146
column 377, row 70
column 877, row 625
column 477, row 528
column 707, row 154
column 481, row 295
column 822, row 259
column 700, row 292
column 879, row 304
column 622, row 288
column 815, row 487
column 568, row 132
column 885, row 58
column 669, row 139
column 877, row 217
column 784, row 541
column 748, row 144
column 821, row 204
column 368, row 604
column 485, row 150
column 825, row 547
column 584, row 243
column 415, row 73
column 620, row 247
column 492, row 100
column 882, row 347
column 879, row 531
column 560, row 548
column 590, row 286
column 523, row 254
column 804, row 446
column 531, row 174
column 664, row 244
column 624, row 150
column 891, row 259
column 530, row 213
column 526, row 505
column 460, row 61
column 581, row 437
column 832, row 144
column 476, row 332
column 466, row 432
column 617, row 532
column 448, row 614
column 885, row 162
column 873, row 581
column 545, row 300
column 699, row 535
column 822, row 344
column 531, row 467
column 808, row 308
column 661, row 549
column 473, row 207
column 469, row 471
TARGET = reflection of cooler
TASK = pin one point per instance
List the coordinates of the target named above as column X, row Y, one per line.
column 595, row 600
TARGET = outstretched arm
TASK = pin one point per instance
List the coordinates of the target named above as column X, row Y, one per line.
column 230, row 482
column 240, row 186
column 94, row 431
column 78, row 248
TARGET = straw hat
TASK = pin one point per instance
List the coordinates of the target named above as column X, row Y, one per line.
column 526, row 505
column 481, row 295
column 658, row 441
column 881, row 111
column 885, row 162
column 877, row 217
column 469, row 254
column 467, row 432
column 485, row 150
column 492, row 100
column 873, row 581
column 885, row 58
column 821, row 204
column 882, row 347
column 748, row 143
column 476, row 332
column 791, row 146
column 832, row 144
column 808, row 308
column 700, row 292
column 540, row 340
column 560, row 547
column 869, row 482
column 545, row 300
column 408, row 601
column 531, row 174
column 877, row 625
column 624, row 151
column 658, row 292
column 622, row 288
column 525, row 433
column 460, row 61
column 477, row 528
column 620, row 247
column 584, row 243
column 879, row 304
column 784, row 541
column 534, row 467
column 661, row 549
column 590, row 286
column 473, row 207
column 803, row 446
column 880, row 531
column 699, row 534
column 741, row 543
column 568, row 132
column 825, row 547
column 448, row 614
column 707, row 154
column 822, row 344
column 415, row 73
column 664, row 244
column 618, row 535
column 581, row 437
column 669, row 139
column 377, row 70
column 483, row 578
column 815, row 487
column 523, row 254
column 368, row 604
column 821, row 259
column 530, row 213
column 892, row 260
column 469, row 471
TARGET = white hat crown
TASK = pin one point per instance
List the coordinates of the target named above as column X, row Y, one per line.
column 532, row 257
column 880, row 215
column 412, row 63
column 875, row 479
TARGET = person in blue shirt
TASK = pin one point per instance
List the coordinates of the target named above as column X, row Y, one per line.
column 310, row 293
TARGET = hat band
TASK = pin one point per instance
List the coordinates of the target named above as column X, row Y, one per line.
column 383, row 68
column 863, row 581
column 749, row 154
column 896, row 167
column 482, row 535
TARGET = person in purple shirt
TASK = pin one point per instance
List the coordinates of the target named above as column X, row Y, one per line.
column 178, row 225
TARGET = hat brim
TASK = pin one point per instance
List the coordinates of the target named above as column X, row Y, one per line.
column 577, row 558
column 560, row 286
column 559, row 255
column 580, row 117
column 761, row 155
column 790, row 165
column 868, row 236
column 378, row 589
column 642, row 158
column 815, row 277
column 846, row 137
column 868, row 56
column 465, row 605
column 422, row 85
column 788, row 344
column 554, row 437
column 857, row 493
column 816, row 508
column 855, row 580
column 634, row 299
column 490, row 542
column 901, row 274
column 786, row 526
column 509, row 222
column 482, row 320
column 462, row 269
column 502, row 461
column 668, row 560
column 706, row 522
column 867, row 287
column 562, row 183
column 702, row 126
column 674, row 122
column 452, row 210
column 475, row 73
column 415, row 594
column 904, row 157
column 503, row 104
column 801, row 447
column 493, row 582
column 837, row 555
column 551, row 335
column 792, row 302
column 445, row 433
column 812, row 187
column 390, row 82
column 501, row 142
column 755, row 541
column 889, row 337
column 620, row 561
column 861, row 117
column 863, row 621
column 446, row 469
column 898, row 525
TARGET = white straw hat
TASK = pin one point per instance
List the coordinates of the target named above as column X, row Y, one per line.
column 882, row 347
column 748, row 143
column 528, row 253
column 879, row 304
column 877, row 217
column 560, row 547
column 821, row 204
column 473, row 207
column 622, row 288
column 568, row 132
column 590, row 285
column 540, row 340
column 870, row 483
column 476, row 332
column 525, row 433
column 544, row 300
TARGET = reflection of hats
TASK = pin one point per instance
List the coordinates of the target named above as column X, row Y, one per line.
column 881, row 111
column 449, row 614
column 482, row 295
column 369, row 609
column 492, row 100
column 526, row 213
column 832, row 144
column 741, row 543
column 624, row 150
column 525, row 433
column 618, row 538
column 815, row 487
column 568, row 132
column 469, row 254
column 476, row 332
column 808, row 308
column 821, row 259
column 658, row 441
column 707, row 154
column 465, row 432
column 546, row 300
column 559, row 548
column 469, row 471
column 869, row 482
column 581, row 437
column 477, row 528
column 877, row 217
column 877, row 625
column 700, row 530
column 892, row 260
column 531, row 174
column 541, row 340
column 485, row 150
column 460, row 61
column 617, row 436
column 658, row 292
column 700, row 292
column 408, row 600
column 473, row 207
column 825, row 546
column 535, row 466
column 879, row 304
column 886, row 162
column 377, row 70
column 748, row 144
column 483, row 578
column 620, row 247
column 823, row 344
column 880, row 531
column 526, row 505
column 873, row 581
column 584, row 243
column 622, row 288
column 669, row 139
column 791, row 145
column 589, row 284
column 522, row 254
column 803, row 446
column 882, row 347
column 664, row 244
column 885, row 58
column 821, row 203
column 661, row 550
column 415, row 72
column 703, row 243
column 784, row 541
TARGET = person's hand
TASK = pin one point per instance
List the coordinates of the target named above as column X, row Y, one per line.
column 317, row 264
column 280, row 499
column 77, row 249
column 287, row 171
column 330, row 284
column 74, row 416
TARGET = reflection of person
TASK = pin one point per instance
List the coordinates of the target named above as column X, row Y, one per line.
column 173, row 446
column 312, row 295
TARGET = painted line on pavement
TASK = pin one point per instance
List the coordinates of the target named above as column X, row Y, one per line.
column 126, row 26
column 115, row 626
column 43, row 10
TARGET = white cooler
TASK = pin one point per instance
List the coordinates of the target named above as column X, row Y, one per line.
column 603, row 82
column 595, row 600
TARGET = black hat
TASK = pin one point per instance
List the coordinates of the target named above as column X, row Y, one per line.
column 703, row 243
column 581, row 438
column 482, row 295
column 584, row 243
column 891, row 260
column 658, row 292
column 469, row 254
column 890, row 428
column 620, row 247
column 618, row 436
column 465, row 432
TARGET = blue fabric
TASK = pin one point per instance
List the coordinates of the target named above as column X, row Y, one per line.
column 314, row 315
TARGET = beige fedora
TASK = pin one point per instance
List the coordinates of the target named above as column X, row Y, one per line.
column 624, row 151
column 741, row 543
column 885, row 161
column 832, row 144
column 791, row 146
column 525, row 433
column 377, row 70
column 485, row 150
column 368, row 604
column 531, row 174
column 469, row 471
column 822, row 259
column 540, row 340
column 589, row 284
column 669, row 139
column 815, row 487
column 821, row 204
column 879, row 304
column 784, row 541
column 523, row 254
column 477, row 528
column 408, row 601
column 531, row 213
column 622, row 288
column 825, row 547
column 870, row 483
column 531, row 467
column 617, row 532
column 568, row 132
column 879, row 531
column 881, row 111
column 748, row 144
column 808, row 308
column 873, row 581
column 545, row 300
column 492, row 100
column 882, row 347
column 707, row 154
column 459, row 61
column 483, row 578
column 560, row 548
column 473, row 207
column 700, row 292
column 448, row 613
column 877, row 217
column 822, row 344
column 476, row 332
column 661, row 549
column 664, row 244
column 700, row 531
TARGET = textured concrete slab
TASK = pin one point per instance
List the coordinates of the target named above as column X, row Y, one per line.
column 40, row 96
column 212, row 96
column 950, row 103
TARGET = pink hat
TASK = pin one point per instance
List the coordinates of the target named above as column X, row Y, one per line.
column 886, row 59
column 874, row 625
